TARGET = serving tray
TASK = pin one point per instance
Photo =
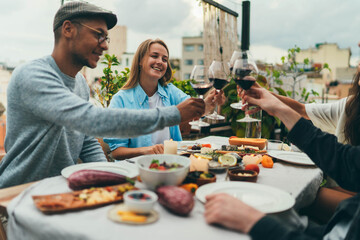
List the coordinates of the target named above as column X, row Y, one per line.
column 78, row 200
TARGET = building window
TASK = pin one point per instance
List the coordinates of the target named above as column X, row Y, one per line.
column 200, row 47
column 127, row 61
column 200, row 61
column 189, row 48
column 186, row 76
column 188, row 62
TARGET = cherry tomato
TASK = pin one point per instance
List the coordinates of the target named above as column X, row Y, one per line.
column 154, row 165
column 206, row 145
column 161, row 168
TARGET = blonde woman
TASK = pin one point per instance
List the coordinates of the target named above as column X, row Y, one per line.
column 148, row 87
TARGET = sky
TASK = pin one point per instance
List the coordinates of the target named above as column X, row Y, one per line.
column 275, row 25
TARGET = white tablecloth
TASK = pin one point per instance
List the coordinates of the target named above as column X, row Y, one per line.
column 26, row 222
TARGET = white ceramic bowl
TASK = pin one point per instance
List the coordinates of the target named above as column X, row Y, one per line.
column 140, row 201
column 273, row 144
column 153, row 178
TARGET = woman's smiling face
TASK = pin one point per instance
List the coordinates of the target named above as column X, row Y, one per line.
column 155, row 62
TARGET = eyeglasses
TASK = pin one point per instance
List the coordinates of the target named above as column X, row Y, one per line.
column 101, row 36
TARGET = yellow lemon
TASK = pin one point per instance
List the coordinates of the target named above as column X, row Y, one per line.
column 199, row 155
column 227, row 160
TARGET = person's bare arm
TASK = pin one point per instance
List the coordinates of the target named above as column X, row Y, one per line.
column 123, row 152
column 272, row 105
column 293, row 104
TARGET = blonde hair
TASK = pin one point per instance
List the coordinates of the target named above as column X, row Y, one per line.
column 142, row 50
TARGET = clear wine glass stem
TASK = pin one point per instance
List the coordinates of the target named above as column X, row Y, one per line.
column 216, row 105
column 200, row 120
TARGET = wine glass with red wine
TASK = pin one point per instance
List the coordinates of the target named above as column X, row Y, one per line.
column 245, row 66
column 219, row 78
column 201, row 84
column 236, row 55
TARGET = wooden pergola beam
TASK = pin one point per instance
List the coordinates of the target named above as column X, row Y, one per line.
column 222, row 7
column 220, row 32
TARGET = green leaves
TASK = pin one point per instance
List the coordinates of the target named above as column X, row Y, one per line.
column 185, row 86
column 110, row 83
column 280, row 91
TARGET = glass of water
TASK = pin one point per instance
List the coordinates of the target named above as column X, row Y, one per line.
column 253, row 129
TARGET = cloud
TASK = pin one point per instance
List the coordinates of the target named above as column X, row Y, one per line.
column 27, row 25
column 152, row 16
column 285, row 24
column 167, row 20
column 267, row 53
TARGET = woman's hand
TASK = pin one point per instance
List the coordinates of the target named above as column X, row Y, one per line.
column 241, row 91
column 213, row 98
column 230, row 212
column 156, row 149
column 272, row 105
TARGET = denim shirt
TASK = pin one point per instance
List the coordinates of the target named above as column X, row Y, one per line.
column 136, row 98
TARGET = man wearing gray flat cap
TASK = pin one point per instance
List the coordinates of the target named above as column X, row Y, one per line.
column 50, row 123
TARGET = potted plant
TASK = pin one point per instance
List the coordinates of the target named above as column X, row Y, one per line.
column 110, row 84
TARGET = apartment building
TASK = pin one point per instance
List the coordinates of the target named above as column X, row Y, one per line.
column 332, row 84
column 337, row 58
column 117, row 47
column 5, row 76
column 192, row 54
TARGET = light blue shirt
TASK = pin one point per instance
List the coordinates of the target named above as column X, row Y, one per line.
column 136, row 98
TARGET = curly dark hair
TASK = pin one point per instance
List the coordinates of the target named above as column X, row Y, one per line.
column 352, row 110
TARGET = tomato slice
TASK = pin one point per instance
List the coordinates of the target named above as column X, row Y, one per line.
column 161, row 168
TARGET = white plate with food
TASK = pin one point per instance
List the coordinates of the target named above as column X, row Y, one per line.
column 124, row 168
column 188, row 145
column 264, row 198
column 299, row 158
column 184, row 145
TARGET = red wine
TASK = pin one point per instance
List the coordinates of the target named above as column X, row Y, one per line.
column 244, row 83
column 218, row 83
column 242, row 72
column 201, row 89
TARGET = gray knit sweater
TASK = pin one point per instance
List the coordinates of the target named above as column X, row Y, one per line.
column 50, row 121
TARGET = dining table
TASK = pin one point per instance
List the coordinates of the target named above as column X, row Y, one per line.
column 25, row 221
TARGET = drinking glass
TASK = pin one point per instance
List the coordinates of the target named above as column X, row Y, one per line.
column 253, row 129
column 201, row 84
column 236, row 55
column 245, row 66
column 219, row 78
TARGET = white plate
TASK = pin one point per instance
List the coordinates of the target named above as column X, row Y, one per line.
column 266, row 199
column 124, row 168
column 292, row 157
column 132, row 160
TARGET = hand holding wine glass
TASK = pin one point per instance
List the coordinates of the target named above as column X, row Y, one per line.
column 244, row 66
column 236, row 55
column 201, row 84
column 219, row 78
